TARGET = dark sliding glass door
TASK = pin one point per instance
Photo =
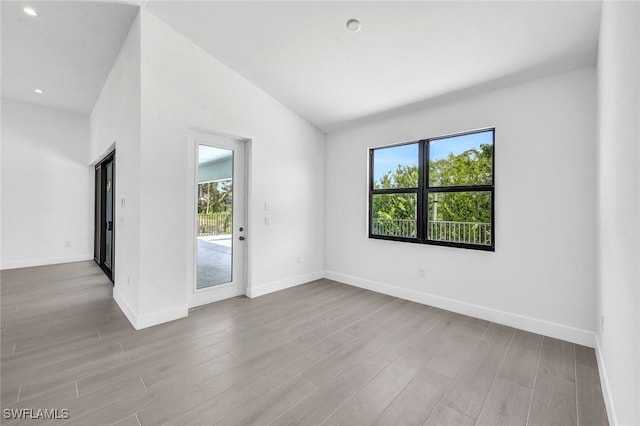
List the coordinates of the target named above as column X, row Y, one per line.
column 104, row 230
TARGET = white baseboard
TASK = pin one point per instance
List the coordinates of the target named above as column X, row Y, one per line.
column 27, row 263
column 604, row 383
column 162, row 316
column 534, row 325
column 140, row 321
column 128, row 312
column 267, row 288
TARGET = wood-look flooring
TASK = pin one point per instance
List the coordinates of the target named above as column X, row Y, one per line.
column 322, row 353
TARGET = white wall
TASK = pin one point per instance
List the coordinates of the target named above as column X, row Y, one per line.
column 542, row 275
column 47, row 186
column 619, row 210
column 185, row 88
column 115, row 120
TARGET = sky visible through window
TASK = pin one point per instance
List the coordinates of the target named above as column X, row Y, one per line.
column 387, row 159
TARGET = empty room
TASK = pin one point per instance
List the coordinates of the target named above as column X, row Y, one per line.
column 320, row 213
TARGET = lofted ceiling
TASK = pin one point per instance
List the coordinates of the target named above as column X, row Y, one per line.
column 406, row 53
column 66, row 51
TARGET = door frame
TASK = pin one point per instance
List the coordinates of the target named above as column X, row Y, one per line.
column 99, row 250
column 205, row 295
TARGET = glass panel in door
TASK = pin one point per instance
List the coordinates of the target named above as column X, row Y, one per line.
column 108, row 214
column 214, row 217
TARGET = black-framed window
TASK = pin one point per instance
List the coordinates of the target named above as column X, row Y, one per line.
column 435, row 191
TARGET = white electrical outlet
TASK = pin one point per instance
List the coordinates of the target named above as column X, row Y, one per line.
column 422, row 273
column 299, row 259
column 67, row 243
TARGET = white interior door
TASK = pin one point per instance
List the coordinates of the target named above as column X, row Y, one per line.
column 219, row 215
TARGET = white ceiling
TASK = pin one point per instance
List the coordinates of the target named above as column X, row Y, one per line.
column 67, row 50
column 406, row 52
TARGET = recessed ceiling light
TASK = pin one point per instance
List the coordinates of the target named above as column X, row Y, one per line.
column 30, row 11
column 38, row 91
column 353, row 25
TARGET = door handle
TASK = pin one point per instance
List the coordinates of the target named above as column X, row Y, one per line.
column 241, row 238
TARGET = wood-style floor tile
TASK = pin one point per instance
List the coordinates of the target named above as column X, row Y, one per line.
column 321, row 353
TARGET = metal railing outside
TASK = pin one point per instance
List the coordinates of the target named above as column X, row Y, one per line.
column 395, row 227
column 460, row 232
column 214, row 224
column 438, row 230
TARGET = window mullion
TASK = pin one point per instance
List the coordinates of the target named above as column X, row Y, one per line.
column 423, row 214
column 396, row 191
column 471, row 188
